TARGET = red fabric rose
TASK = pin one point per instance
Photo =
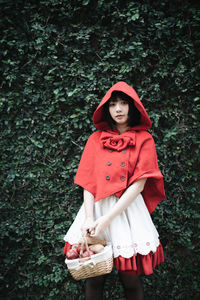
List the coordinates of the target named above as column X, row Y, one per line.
column 117, row 142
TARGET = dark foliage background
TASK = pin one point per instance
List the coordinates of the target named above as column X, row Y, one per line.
column 58, row 58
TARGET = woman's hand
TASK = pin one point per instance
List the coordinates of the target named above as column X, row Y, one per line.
column 99, row 226
column 87, row 226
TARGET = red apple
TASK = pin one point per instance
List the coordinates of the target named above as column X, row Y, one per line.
column 87, row 253
column 72, row 254
column 77, row 247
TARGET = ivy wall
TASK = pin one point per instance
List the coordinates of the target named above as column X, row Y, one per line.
column 59, row 57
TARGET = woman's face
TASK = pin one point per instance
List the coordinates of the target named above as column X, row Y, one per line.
column 119, row 111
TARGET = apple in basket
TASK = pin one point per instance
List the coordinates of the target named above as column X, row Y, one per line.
column 87, row 253
column 77, row 247
column 72, row 254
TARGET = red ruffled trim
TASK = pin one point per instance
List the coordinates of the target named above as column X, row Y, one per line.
column 140, row 264
column 137, row 264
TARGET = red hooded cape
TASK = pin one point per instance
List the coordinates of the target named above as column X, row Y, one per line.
column 111, row 161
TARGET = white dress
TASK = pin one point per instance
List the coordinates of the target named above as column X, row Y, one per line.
column 130, row 233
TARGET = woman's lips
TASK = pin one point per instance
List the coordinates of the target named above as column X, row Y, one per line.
column 119, row 116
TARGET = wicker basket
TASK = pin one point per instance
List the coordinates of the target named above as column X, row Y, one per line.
column 95, row 265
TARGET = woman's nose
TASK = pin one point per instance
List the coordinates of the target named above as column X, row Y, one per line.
column 118, row 107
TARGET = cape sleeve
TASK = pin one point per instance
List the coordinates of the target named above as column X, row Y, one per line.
column 147, row 167
column 85, row 172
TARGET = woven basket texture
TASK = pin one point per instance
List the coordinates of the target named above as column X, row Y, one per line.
column 101, row 268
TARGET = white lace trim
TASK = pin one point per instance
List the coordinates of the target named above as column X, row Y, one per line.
column 125, row 251
column 128, row 251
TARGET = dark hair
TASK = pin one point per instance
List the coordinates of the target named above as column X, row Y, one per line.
column 134, row 114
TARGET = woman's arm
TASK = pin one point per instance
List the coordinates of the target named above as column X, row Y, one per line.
column 89, row 212
column 126, row 199
column 88, row 204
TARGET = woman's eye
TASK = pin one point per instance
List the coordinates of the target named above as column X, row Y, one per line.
column 124, row 102
column 111, row 104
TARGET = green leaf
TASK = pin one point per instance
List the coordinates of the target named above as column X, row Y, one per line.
column 85, row 2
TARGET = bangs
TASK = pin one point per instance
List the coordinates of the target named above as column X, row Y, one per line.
column 121, row 95
column 134, row 114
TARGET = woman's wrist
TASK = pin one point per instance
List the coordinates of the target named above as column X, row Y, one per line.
column 111, row 215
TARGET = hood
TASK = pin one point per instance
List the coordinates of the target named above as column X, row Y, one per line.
column 98, row 119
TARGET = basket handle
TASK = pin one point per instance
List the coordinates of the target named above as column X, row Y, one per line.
column 84, row 243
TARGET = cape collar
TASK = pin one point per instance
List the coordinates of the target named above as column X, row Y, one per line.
column 115, row 141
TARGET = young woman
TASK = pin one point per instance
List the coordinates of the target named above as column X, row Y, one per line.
column 122, row 185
